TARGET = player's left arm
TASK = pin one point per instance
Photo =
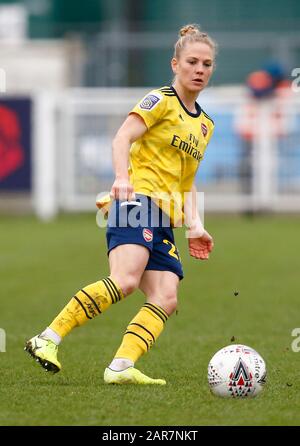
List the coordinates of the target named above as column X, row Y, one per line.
column 200, row 241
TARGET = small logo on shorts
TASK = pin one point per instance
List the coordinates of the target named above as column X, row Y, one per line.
column 148, row 235
column 204, row 129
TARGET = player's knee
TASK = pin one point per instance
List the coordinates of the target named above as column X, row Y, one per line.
column 128, row 284
column 167, row 301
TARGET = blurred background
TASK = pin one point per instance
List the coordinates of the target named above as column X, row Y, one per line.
column 70, row 70
column 70, row 73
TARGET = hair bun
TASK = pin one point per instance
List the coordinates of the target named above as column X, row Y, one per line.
column 189, row 30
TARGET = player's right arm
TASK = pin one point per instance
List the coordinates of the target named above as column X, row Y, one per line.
column 132, row 129
column 200, row 241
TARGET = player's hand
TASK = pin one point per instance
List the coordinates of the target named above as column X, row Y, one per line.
column 200, row 247
column 122, row 189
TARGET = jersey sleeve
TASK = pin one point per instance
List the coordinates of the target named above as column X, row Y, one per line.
column 151, row 108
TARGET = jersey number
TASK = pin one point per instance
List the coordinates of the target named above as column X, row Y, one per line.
column 173, row 250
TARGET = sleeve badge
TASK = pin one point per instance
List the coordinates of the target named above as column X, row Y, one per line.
column 150, row 101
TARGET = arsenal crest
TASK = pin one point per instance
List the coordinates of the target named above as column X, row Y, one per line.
column 204, row 129
column 148, row 235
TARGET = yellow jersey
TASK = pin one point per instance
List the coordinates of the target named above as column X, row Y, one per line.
column 164, row 161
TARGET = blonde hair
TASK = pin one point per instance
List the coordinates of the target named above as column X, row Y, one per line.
column 191, row 33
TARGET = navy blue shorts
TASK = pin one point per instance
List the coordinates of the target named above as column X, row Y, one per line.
column 144, row 223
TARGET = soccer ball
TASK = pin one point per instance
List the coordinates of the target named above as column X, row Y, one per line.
column 236, row 371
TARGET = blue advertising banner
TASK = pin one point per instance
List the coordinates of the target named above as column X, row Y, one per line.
column 15, row 144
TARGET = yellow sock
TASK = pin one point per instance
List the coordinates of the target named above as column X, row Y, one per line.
column 142, row 332
column 92, row 300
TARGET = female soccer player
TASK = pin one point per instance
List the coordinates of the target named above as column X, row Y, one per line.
column 163, row 140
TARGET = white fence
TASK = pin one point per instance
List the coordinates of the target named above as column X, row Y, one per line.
column 252, row 162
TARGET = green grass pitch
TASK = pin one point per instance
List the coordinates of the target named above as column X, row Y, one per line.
column 43, row 265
